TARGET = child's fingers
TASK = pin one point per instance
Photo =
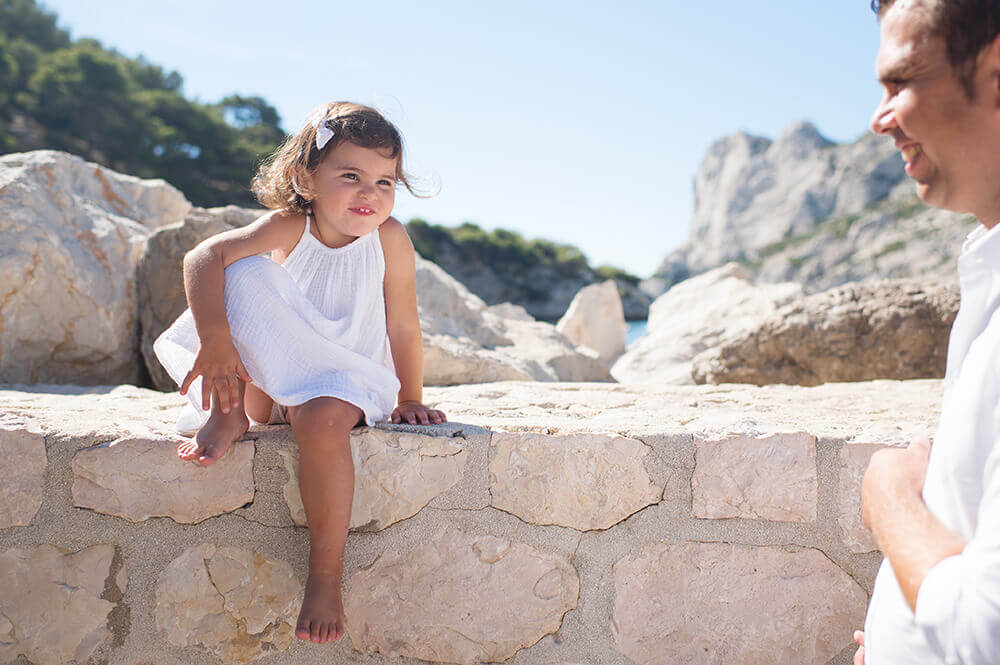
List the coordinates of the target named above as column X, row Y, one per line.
column 242, row 372
column 188, row 380
column 206, row 394
column 222, row 393
column 234, row 390
column 424, row 420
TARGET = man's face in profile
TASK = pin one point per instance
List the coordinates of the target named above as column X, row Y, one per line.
column 943, row 135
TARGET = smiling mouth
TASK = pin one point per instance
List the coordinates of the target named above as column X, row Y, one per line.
column 363, row 211
column 911, row 152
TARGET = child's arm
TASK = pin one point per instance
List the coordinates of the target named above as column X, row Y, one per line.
column 204, row 281
column 403, row 325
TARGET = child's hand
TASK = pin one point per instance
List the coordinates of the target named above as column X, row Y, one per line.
column 412, row 411
column 219, row 363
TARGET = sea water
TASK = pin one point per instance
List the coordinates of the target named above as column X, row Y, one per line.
column 633, row 331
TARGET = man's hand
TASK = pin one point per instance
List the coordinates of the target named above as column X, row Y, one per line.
column 859, row 655
column 893, row 473
column 219, row 363
column 907, row 532
column 413, row 412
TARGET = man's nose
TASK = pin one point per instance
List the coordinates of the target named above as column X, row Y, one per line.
column 884, row 119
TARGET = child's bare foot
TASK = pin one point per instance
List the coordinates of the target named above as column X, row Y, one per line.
column 214, row 439
column 321, row 618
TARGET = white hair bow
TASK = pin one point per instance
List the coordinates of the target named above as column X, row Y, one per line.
column 323, row 133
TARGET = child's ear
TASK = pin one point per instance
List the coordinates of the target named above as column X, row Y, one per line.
column 302, row 185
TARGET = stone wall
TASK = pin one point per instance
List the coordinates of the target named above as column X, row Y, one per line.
column 546, row 524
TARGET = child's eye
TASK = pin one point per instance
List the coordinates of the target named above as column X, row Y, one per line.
column 385, row 183
column 350, row 176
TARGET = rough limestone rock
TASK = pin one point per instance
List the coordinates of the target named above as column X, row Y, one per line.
column 465, row 342
column 508, row 310
column 72, row 234
column 236, row 604
column 584, row 482
column 854, row 458
column 418, row 603
column 696, row 315
column 802, row 209
column 51, row 608
column 595, row 319
column 22, row 472
column 139, row 478
column 717, row 603
column 395, row 475
column 160, row 280
column 773, row 478
column 894, row 329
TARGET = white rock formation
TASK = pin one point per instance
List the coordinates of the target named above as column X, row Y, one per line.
column 139, row 478
column 805, row 210
column 717, row 603
column 22, row 472
column 595, row 319
column 418, row 603
column 508, row 310
column 583, row 482
column 751, row 192
column 695, row 315
column 72, row 234
column 396, row 474
column 234, row 603
column 465, row 342
column 51, row 609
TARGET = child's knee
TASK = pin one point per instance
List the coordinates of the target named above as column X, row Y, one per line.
column 325, row 414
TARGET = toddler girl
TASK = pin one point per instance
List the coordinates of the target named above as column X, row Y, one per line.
column 323, row 334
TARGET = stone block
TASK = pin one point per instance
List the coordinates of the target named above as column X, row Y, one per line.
column 854, row 459
column 459, row 598
column 51, row 609
column 396, row 474
column 22, row 473
column 583, row 481
column 771, row 478
column 234, row 603
column 720, row 603
column 139, row 478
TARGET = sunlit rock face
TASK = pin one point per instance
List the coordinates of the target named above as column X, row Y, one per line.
column 801, row 208
column 73, row 233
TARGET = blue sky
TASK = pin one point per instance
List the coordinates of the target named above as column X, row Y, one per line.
column 580, row 122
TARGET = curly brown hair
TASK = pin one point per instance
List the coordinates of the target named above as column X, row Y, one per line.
column 276, row 182
column 967, row 27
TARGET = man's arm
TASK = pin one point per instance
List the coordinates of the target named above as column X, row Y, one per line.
column 912, row 538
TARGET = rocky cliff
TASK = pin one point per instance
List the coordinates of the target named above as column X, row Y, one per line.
column 802, row 208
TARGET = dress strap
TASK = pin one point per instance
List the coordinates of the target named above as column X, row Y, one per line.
column 307, row 222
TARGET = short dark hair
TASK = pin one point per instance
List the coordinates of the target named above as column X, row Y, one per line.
column 967, row 27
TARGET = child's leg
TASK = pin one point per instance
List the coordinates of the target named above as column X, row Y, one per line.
column 215, row 437
column 322, row 429
column 258, row 404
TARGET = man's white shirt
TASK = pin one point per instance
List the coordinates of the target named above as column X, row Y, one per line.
column 957, row 620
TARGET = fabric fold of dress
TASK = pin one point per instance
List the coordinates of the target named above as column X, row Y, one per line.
column 311, row 327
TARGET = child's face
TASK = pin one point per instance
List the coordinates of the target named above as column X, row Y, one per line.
column 353, row 191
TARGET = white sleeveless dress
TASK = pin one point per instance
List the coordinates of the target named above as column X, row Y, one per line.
column 311, row 327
